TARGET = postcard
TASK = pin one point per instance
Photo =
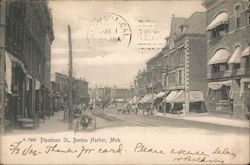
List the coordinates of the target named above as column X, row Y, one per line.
column 124, row 82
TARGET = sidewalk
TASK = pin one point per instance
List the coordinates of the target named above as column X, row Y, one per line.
column 51, row 125
column 206, row 118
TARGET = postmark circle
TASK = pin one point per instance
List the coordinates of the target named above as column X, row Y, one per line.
column 109, row 29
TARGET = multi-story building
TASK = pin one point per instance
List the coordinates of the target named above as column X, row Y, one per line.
column 142, row 83
column 121, row 93
column 29, row 35
column 228, row 71
column 154, row 69
column 80, row 89
column 62, row 80
column 80, row 92
column 184, row 63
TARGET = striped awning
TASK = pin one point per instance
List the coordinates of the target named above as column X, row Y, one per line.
column 179, row 96
column 160, row 94
column 38, row 85
column 246, row 52
column 148, row 98
column 219, row 84
column 171, row 96
column 235, row 58
column 8, row 74
column 220, row 56
column 220, row 19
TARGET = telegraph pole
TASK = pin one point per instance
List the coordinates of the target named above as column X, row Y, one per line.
column 70, row 104
column 2, row 65
column 165, row 90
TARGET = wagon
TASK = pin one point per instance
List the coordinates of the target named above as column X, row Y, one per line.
column 84, row 121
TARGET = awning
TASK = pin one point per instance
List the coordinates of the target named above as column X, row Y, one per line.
column 161, row 94
column 171, row 96
column 38, row 85
column 180, row 97
column 218, row 85
column 220, row 19
column 148, row 98
column 235, row 58
column 196, row 96
column 8, row 73
column 134, row 100
column 246, row 52
column 220, row 56
column 245, row 80
column 118, row 100
column 16, row 61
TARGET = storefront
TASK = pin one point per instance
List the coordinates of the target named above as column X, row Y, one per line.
column 15, row 91
column 159, row 100
column 147, row 101
column 177, row 100
column 221, row 96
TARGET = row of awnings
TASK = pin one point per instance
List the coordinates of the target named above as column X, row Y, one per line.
column 174, row 97
column 219, row 84
column 224, row 56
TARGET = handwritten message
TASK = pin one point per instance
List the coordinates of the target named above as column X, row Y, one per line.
column 27, row 147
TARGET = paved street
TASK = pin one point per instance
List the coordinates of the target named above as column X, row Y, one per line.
column 110, row 118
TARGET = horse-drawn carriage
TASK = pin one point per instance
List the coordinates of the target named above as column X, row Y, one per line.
column 84, row 121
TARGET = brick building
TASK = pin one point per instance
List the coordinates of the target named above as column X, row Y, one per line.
column 80, row 89
column 154, row 69
column 29, row 35
column 184, row 60
column 228, row 32
column 121, row 93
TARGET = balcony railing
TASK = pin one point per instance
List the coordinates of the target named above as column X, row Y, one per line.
column 229, row 73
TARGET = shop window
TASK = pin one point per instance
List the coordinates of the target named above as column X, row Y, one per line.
column 237, row 16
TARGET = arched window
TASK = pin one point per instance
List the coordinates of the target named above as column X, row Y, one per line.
column 237, row 16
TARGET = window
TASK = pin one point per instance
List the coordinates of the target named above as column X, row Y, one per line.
column 247, row 63
column 219, row 31
column 219, row 68
column 215, row 68
column 180, row 77
column 236, row 66
column 39, row 68
column 248, row 16
column 237, row 17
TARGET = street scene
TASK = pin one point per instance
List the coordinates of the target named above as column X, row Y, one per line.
column 166, row 68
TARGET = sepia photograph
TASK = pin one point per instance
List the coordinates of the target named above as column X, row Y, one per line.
column 124, row 82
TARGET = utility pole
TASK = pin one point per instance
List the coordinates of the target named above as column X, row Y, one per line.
column 2, row 65
column 165, row 90
column 70, row 104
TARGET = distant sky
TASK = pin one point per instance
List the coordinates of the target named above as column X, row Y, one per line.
column 108, row 65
